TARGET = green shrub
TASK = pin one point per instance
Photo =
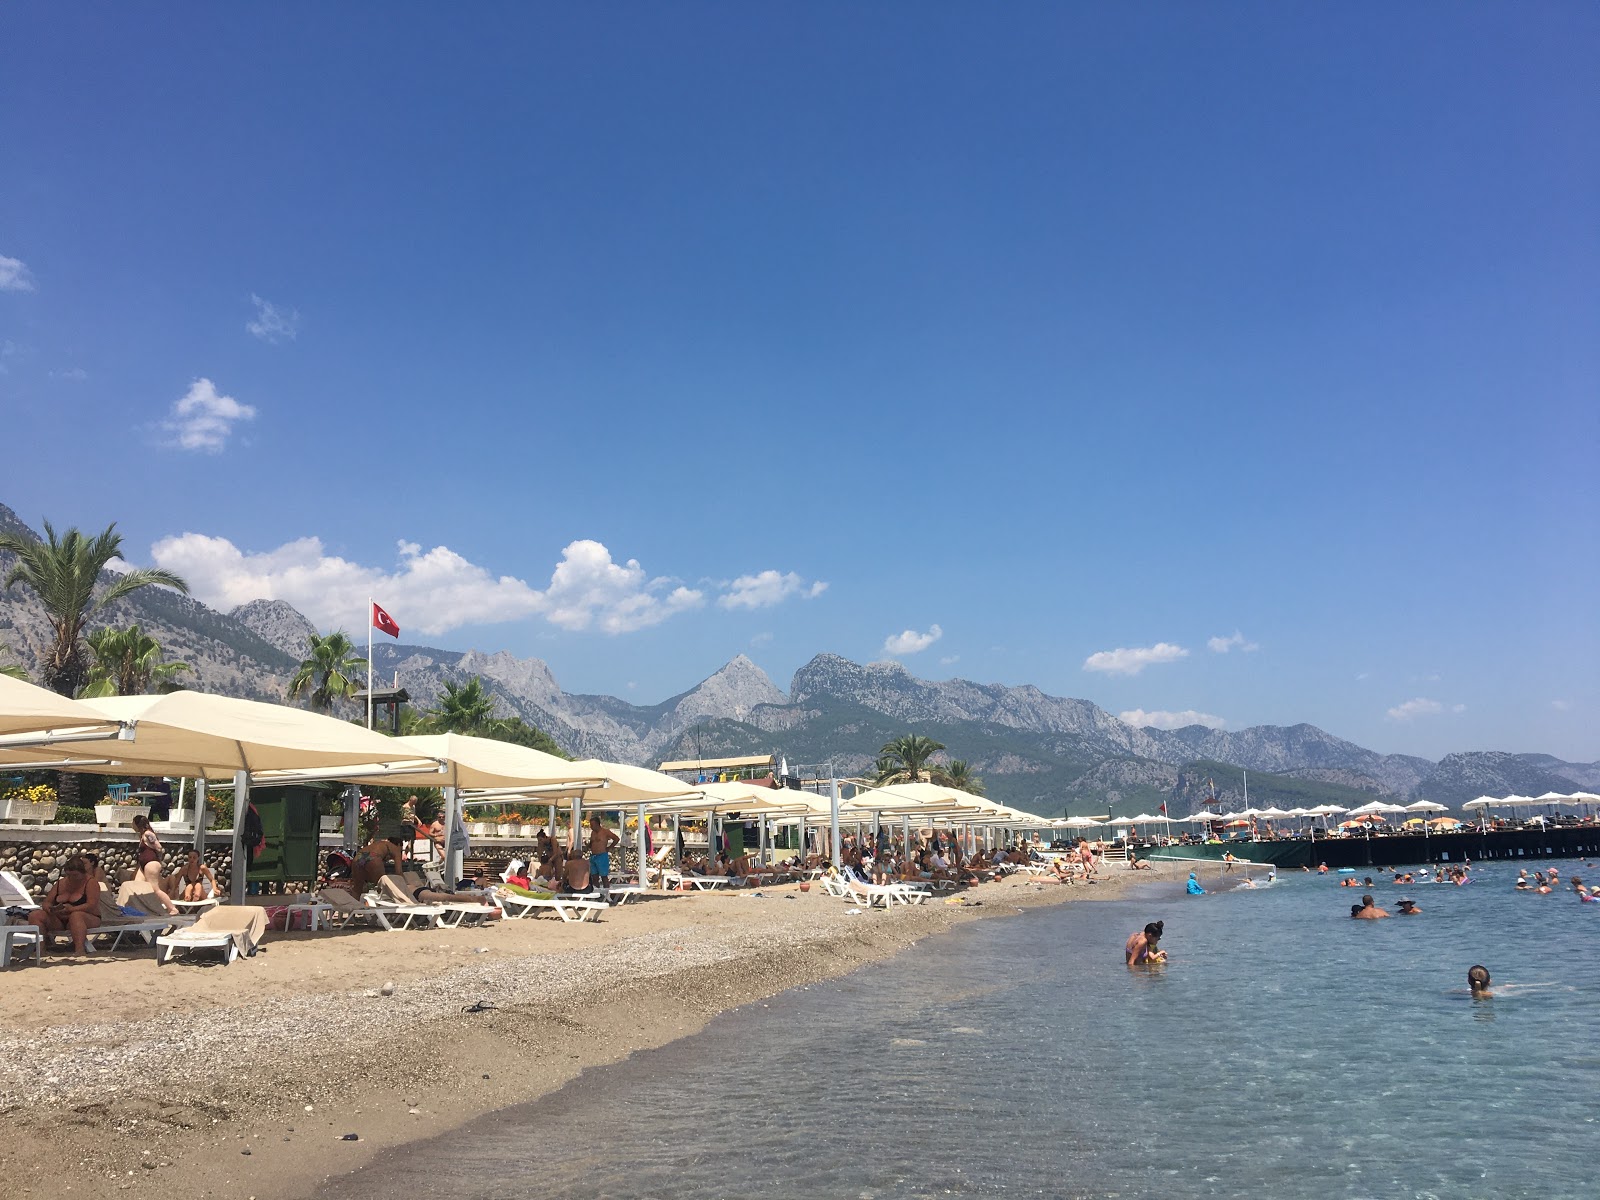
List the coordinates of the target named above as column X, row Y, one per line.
column 67, row 814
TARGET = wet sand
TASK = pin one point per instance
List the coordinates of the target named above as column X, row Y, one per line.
column 247, row 1080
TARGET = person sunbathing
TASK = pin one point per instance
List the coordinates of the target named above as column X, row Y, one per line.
column 575, row 872
column 71, row 906
column 194, row 882
column 421, row 891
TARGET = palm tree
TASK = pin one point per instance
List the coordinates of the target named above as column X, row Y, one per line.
column 467, row 708
column 903, row 758
column 12, row 670
column 958, row 774
column 128, row 662
column 330, row 673
column 63, row 572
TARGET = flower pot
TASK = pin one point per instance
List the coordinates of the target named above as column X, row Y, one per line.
column 19, row 811
column 505, row 831
column 480, row 829
column 119, row 814
column 805, row 885
column 528, row 831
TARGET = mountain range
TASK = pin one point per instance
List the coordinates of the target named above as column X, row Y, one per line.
column 1036, row 751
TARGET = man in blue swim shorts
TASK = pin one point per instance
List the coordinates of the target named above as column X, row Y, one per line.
column 601, row 840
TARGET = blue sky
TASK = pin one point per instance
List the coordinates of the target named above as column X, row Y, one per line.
column 1063, row 330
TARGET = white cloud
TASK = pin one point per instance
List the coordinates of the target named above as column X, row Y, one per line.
column 761, row 639
column 14, row 275
column 71, row 374
column 588, row 588
column 1221, row 645
column 430, row 592
column 767, row 588
column 1561, row 705
column 910, row 641
column 1130, row 661
column 1171, row 720
column 204, row 418
column 1421, row 707
column 271, row 323
column 949, row 660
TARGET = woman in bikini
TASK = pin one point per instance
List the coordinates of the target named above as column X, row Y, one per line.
column 72, row 905
column 150, row 861
column 371, row 863
column 195, row 882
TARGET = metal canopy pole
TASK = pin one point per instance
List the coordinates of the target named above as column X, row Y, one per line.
column 200, row 814
column 833, row 820
column 454, row 859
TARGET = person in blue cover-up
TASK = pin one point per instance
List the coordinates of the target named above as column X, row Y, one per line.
column 1194, row 886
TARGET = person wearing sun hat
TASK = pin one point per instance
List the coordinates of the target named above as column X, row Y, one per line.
column 1408, row 908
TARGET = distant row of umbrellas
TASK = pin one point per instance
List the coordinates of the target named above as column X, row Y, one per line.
column 1374, row 809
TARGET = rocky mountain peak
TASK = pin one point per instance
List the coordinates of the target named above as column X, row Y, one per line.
column 278, row 623
column 531, row 678
column 733, row 691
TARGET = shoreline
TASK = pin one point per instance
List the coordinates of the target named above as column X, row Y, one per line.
column 243, row 1080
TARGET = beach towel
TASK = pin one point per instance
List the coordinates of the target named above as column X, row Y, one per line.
column 245, row 922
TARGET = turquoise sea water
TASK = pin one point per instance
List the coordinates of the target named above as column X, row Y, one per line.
column 1285, row 1051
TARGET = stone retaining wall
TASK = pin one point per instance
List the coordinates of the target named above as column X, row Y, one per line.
column 38, row 855
column 38, row 863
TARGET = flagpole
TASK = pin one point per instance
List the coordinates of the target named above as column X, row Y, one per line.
column 370, row 603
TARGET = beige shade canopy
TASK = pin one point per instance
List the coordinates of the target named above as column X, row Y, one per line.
column 38, row 715
column 482, row 763
column 605, row 785
column 735, row 797
column 198, row 734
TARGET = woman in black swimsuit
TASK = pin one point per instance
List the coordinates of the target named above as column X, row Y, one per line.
column 150, row 861
column 72, row 905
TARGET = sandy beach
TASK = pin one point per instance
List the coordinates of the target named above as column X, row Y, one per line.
column 247, row 1080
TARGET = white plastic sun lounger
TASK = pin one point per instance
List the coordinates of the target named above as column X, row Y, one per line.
column 234, row 929
column 903, row 893
column 517, row 907
column 14, row 938
column 404, row 916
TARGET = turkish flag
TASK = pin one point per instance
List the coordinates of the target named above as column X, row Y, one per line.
column 384, row 622
column 1163, row 806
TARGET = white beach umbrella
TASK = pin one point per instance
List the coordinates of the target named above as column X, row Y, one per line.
column 33, row 716
column 1273, row 814
column 1425, row 806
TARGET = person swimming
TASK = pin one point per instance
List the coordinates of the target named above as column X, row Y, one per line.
column 1478, row 981
column 1408, row 908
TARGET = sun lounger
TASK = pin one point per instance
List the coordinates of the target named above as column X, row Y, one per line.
column 16, row 938
column 704, row 883
column 341, row 909
column 899, row 892
column 516, row 906
column 14, row 893
column 401, row 890
column 234, row 929
column 404, row 916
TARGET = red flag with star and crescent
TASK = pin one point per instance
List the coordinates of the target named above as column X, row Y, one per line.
column 384, row 622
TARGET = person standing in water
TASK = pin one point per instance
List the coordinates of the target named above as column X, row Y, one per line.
column 1368, row 910
column 1478, row 981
